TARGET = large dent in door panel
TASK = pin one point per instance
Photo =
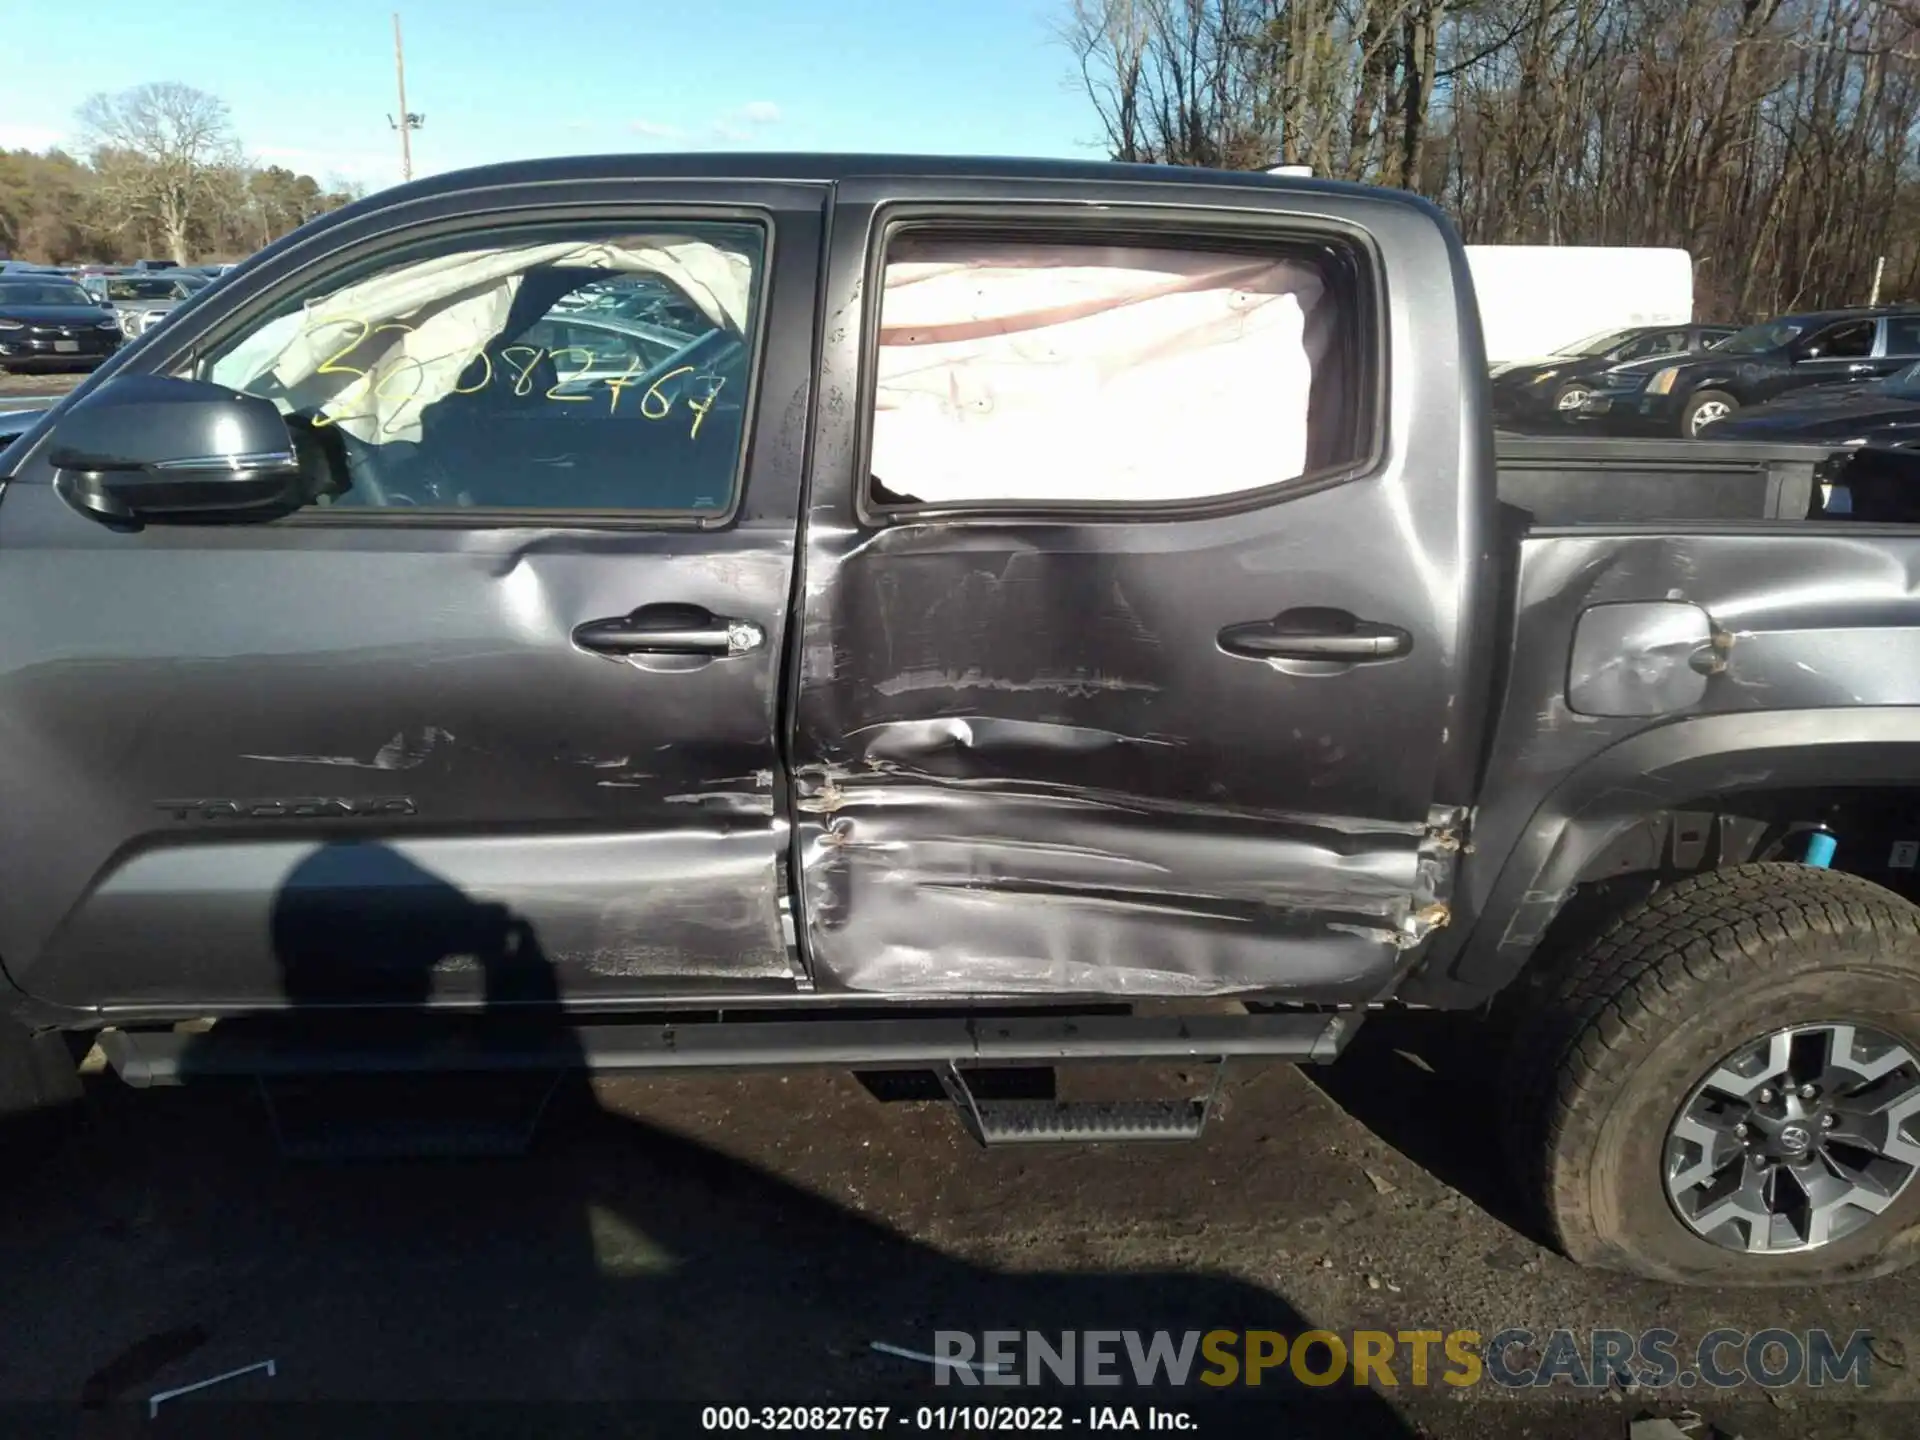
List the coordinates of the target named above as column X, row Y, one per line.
column 1020, row 787
column 950, row 889
column 947, row 877
column 1024, row 764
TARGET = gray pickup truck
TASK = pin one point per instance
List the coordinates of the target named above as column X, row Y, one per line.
column 1014, row 614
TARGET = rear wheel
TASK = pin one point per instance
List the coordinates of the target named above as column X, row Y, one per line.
column 1723, row 1086
column 1704, row 408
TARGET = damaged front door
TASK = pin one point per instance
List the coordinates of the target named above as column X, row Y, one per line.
column 494, row 720
column 1132, row 669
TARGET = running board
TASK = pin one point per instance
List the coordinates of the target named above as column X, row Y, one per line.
column 1032, row 1122
column 171, row 1057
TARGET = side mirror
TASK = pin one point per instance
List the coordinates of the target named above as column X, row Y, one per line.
column 146, row 447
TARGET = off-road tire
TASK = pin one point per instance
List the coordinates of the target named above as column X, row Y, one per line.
column 1624, row 1025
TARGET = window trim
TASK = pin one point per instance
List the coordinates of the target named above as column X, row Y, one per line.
column 1875, row 336
column 1260, row 231
column 1887, row 323
column 192, row 360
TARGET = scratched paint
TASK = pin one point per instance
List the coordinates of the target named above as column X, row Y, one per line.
column 404, row 751
column 1077, row 685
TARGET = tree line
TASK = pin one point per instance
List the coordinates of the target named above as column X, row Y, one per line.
column 161, row 174
column 1773, row 139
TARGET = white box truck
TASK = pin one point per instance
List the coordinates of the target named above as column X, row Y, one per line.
column 1537, row 299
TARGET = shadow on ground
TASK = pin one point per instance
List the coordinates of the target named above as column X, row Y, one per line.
column 620, row 1263
column 1422, row 1081
column 169, row 1241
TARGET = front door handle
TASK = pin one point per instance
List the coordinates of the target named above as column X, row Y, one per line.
column 1315, row 634
column 669, row 630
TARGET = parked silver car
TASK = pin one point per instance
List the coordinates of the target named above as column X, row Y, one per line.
column 143, row 300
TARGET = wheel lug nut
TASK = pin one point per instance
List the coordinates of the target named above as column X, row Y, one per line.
column 1807, row 1092
column 1758, row 1158
column 1740, row 1131
column 1766, row 1095
column 1826, row 1122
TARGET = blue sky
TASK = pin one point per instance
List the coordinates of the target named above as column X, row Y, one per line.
column 310, row 82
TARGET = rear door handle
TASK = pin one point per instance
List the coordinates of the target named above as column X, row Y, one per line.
column 1315, row 634
column 669, row 630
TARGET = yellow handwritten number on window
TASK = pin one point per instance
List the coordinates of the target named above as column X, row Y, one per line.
column 486, row 375
column 563, row 380
column 665, row 402
column 701, row 407
column 618, row 385
column 523, row 378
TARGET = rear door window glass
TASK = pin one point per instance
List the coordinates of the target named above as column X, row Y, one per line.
column 1022, row 372
column 1903, row 335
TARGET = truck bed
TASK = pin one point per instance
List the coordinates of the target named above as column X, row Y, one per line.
column 1592, row 480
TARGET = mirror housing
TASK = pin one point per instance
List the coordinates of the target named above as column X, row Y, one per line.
column 148, row 447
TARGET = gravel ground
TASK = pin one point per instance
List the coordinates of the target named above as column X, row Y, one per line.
column 745, row 1239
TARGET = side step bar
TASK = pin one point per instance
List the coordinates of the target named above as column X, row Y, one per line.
column 1032, row 1122
column 170, row 1057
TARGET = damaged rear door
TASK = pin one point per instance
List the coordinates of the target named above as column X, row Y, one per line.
column 1138, row 608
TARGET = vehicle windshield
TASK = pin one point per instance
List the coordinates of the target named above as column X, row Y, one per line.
column 1758, row 339
column 15, row 292
column 1596, row 344
column 133, row 289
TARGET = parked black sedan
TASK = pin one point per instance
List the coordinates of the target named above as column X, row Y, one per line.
column 1531, row 393
column 51, row 323
column 1881, row 413
column 1761, row 363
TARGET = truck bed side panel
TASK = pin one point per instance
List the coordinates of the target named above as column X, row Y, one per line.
column 1821, row 637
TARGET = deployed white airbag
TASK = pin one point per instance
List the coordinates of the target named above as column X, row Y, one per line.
column 1081, row 374
column 370, row 357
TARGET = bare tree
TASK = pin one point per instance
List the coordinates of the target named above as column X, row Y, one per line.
column 1777, row 140
column 166, row 155
column 1342, row 85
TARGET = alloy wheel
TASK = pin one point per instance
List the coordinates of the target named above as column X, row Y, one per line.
column 1797, row 1139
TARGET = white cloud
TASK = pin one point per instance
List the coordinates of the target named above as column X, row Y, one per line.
column 654, row 130
column 366, row 167
column 31, row 137
column 739, row 126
